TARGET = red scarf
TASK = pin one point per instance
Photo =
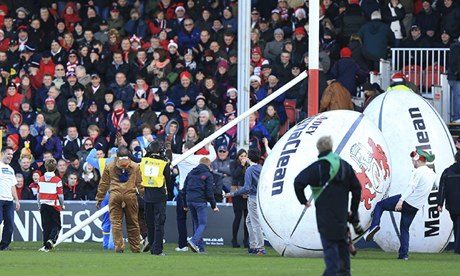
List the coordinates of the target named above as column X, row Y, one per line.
column 117, row 116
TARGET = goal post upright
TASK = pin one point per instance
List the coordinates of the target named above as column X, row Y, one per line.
column 313, row 57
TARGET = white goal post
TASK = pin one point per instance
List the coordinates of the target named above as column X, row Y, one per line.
column 198, row 146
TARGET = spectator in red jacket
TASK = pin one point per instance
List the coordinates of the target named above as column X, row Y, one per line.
column 13, row 99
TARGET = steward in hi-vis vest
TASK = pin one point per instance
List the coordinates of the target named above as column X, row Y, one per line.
column 156, row 177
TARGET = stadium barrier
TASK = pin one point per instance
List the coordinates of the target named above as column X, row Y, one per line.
column 198, row 146
column 27, row 223
column 422, row 66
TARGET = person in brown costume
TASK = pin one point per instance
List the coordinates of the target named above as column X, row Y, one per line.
column 122, row 179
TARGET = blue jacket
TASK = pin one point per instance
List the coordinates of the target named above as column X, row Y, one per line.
column 278, row 103
column 137, row 27
column 348, row 73
column 189, row 40
column 376, row 36
column 179, row 91
column 53, row 145
column 198, row 186
column 251, row 179
column 124, row 93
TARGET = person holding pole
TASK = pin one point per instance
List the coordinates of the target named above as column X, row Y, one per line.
column 7, row 195
column 123, row 179
column 332, row 179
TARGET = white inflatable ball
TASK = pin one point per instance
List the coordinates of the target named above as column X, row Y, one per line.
column 408, row 122
column 291, row 229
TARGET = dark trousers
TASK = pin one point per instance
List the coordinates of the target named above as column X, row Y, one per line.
column 456, row 220
column 408, row 213
column 7, row 216
column 240, row 210
column 51, row 223
column 141, row 217
column 181, row 217
column 200, row 219
column 336, row 257
column 155, row 217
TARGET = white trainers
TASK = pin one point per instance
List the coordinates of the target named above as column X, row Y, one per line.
column 183, row 249
column 43, row 249
column 369, row 235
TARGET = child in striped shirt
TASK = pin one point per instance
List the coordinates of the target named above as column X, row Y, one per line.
column 50, row 200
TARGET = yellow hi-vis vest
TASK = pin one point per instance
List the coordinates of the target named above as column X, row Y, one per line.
column 400, row 87
column 101, row 162
column 152, row 172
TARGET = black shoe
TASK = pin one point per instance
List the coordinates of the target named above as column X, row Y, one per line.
column 235, row 244
column 5, row 249
column 246, row 244
column 49, row 244
column 120, row 251
column 369, row 235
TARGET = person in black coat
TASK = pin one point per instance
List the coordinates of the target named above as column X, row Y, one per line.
column 240, row 203
column 331, row 193
column 449, row 191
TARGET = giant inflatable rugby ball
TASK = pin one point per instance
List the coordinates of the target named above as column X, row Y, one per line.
column 407, row 122
column 290, row 228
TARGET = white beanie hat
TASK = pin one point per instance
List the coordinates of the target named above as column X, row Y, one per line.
column 172, row 43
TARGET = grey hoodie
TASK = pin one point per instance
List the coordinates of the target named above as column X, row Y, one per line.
column 251, row 179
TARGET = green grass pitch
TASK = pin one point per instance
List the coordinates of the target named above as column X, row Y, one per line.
column 89, row 259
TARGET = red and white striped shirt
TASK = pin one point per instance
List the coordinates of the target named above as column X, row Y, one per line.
column 49, row 189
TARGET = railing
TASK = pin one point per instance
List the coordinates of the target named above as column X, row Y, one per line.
column 421, row 66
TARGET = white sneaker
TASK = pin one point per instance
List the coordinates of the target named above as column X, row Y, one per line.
column 369, row 235
column 43, row 249
column 145, row 245
column 183, row 249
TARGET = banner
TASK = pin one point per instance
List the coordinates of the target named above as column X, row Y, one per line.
column 27, row 223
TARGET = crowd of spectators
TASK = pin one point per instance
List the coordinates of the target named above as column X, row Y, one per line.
column 81, row 77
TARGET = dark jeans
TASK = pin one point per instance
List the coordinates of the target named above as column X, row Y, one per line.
column 336, row 257
column 456, row 220
column 7, row 216
column 241, row 211
column 200, row 218
column 408, row 213
column 181, row 217
column 51, row 223
column 155, row 217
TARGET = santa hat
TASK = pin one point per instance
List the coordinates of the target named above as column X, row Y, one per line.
column 397, row 77
column 231, row 89
column 256, row 50
column 255, row 78
column 422, row 155
column 345, row 52
column 172, row 44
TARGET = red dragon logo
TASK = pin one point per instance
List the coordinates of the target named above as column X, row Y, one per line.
column 374, row 168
